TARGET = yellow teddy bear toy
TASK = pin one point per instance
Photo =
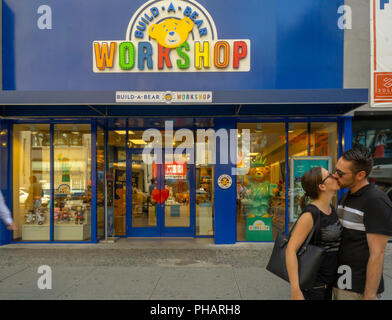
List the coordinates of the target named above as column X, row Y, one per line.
column 171, row 33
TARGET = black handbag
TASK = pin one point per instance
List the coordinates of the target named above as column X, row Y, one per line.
column 309, row 258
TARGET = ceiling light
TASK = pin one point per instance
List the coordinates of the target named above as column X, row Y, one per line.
column 124, row 132
column 138, row 141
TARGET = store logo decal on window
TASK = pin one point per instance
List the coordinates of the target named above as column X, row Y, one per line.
column 171, row 36
column 259, row 225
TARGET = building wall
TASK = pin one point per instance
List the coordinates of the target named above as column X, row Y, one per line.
column 357, row 51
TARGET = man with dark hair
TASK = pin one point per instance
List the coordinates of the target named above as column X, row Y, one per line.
column 366, row 215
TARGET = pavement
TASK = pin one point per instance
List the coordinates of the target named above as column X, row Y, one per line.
column 146, row 269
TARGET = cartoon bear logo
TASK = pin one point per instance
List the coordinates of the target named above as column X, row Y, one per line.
column 171, row 33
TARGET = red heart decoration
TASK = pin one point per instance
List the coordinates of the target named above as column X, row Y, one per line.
column 160, row 196
column 164, row 195
column 156, row 195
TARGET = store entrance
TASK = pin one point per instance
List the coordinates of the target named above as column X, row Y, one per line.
column 161, row 194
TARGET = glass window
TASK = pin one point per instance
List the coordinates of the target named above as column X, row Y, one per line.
column 116, row 183
column 144, row 180
column 377, row 136
column 298, row 147
column 204, row 200
column 72, row 182
column 298, row 139
column 31, row 181
column 324, row 140
column 261, row 191
column 100, row 182
column 204, row 186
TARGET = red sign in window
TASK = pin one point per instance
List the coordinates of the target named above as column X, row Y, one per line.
column 172, row 169
column 175, row 169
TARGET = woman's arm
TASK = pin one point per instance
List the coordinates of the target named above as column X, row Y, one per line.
column 298, row 237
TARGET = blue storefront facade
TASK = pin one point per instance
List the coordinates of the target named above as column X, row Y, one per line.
column 79, row 111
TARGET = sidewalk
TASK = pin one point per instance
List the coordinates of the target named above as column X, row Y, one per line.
column 161, row 269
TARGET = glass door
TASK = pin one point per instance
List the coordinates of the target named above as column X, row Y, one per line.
column 161, row 197
column 178, row 208
column 143, row 180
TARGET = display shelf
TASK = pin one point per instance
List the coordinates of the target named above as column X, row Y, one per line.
column 205, row 219
column 35, row 232
column 65, row 232
column 71, row 232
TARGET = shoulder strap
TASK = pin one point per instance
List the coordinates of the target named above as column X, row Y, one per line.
column 310, row 235
column 314, row 224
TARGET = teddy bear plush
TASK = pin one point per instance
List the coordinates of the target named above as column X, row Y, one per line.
column 259, row 189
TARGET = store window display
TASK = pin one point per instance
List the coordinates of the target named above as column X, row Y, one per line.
column 31, row 182
column 261, row 191
column 72, row 182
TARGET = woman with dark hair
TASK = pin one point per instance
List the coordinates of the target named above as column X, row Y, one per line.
column 320, row 186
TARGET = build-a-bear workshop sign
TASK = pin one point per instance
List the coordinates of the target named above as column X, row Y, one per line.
column 171, row 36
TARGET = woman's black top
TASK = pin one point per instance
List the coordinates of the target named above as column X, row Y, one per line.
column 328, row 236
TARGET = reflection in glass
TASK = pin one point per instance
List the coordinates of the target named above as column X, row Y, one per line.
column 72, row 182
column 261, row 190
column 376, row 135
column 298, row 147
column 204, row 200
column 144, row 181
column 324, row 140
column 177, row 191
column 31, row 181
column 116, row 183
column 100, row 182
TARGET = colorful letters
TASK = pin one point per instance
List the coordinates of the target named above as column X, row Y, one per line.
column 219, row 55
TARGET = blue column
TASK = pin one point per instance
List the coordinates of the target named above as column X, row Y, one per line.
column 347, row 132
column 345, row 141
column 5, row 235
column 225, row 200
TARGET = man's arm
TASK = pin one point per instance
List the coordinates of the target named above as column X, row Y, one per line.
column 377, row 244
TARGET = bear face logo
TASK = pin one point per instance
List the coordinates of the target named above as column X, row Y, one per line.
column 171, row 33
